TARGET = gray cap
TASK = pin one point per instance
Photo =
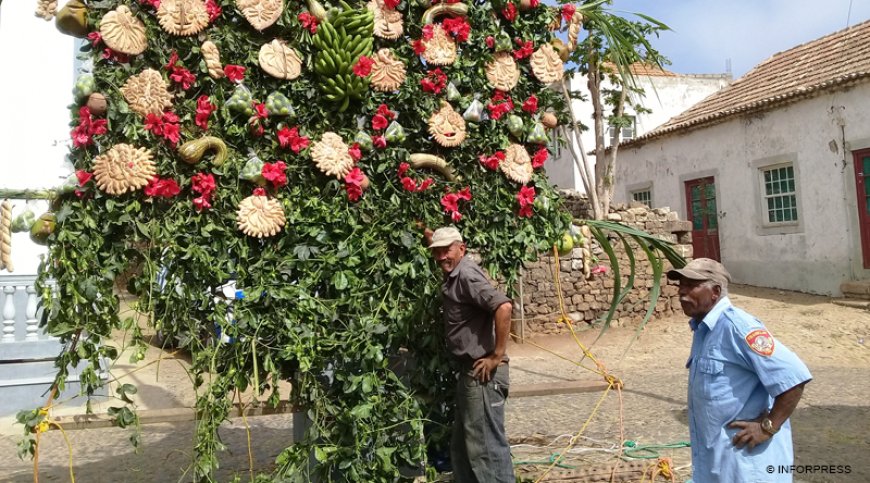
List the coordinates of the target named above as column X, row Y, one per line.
column 702, row 269
column 445, row 236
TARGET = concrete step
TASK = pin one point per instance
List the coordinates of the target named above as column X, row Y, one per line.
column 856, row 289
column 852, row 303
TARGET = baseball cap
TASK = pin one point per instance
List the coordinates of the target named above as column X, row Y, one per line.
column 702, row 269
column 445, row 236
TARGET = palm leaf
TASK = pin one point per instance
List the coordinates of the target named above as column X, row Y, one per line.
column 653, row 247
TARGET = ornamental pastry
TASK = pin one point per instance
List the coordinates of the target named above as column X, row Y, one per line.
column 388, row 22
column 441, row 48
column 502, row 71
column 447, row 126
column 546, row 64
column 123, row 168
column 123, row 32
column 182, row 17
column 280, row 61
column 574, row 29
column 212, row 57
column 331, row 156
column 6, row 236
column 517, row 164
column 261, row 13
column 46, row 9
column 388, row 73
column 260, row 216
column 147, row 93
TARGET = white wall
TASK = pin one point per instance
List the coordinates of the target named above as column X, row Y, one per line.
column 36, row 84
column 825, row 248
column 665, row 96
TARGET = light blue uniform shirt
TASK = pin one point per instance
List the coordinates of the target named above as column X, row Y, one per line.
column 729, row 381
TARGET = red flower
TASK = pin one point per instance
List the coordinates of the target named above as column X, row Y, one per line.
column 162, row 188
column 531, row 104
column 353, row 184
column 203, row 183
column 490, row 41
column 234, row 73
column 458, row 27
column 363, row 66
column 204, row 108
column 386, row 112
column 425, row 184
column 202, row 203
column 568, row 11
column 83, row 134
column 170, row 116
column 118, row 57
column 355, row 152
column 171, row 133
column 83, row 177
column 379, row 122
column 392, row 4
column 540, row 158
column 509, row 12
column 526, row 49
column 419, row 47
column 259, row 192
column 409, row 184
column 380, row 142
column 428, row 31
column 173, row 59
column 182, row 76
column 492, row 162
column 526, row 199
column 289, row 137
column 213, row 9
column 261, row 111
column 434, row 81
column 95, row 37
column 275, row 173
column 450, row 202
column 309, row 22
column 403, row 168
column 499, row 105
column 153, row 3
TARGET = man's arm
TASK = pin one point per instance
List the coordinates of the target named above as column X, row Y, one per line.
column 484, row 366
column 783, row 405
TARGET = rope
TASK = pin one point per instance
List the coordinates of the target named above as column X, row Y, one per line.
column 664, row 467
column 648, row 452
column 6, row 236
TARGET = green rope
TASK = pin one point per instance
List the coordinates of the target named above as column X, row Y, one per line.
column 648, row 451
column 553, row 457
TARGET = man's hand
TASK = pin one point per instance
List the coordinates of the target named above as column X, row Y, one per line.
column 751, row 434
column 484, row 366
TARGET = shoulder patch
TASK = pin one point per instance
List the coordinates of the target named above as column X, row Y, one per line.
column 761, row 342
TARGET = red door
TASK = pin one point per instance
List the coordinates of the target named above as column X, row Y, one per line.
column 701, row 209
column 862, row 172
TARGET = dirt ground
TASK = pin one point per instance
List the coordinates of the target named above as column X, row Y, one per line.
column 831, row 425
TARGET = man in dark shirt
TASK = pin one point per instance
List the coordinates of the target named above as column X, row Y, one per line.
column 477, row 319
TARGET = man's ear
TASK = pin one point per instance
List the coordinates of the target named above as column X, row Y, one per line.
column 717, row 291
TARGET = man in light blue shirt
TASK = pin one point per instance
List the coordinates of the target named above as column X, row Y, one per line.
column 743, row 385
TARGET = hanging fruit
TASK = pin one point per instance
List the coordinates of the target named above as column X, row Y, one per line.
column 395, row 133
column 253, row 170
column 192, row 151
column 452, row 92
column 279, row 105
column 364, row 140
column 538, row 135
column 240, row 101
column 42, row 228
column 474, row 113
column 97, row 104
column 549, row 120
column 84, row 86
column 72, row 19
column 515, row 125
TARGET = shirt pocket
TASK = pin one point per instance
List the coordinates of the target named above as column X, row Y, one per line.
column 712, row 383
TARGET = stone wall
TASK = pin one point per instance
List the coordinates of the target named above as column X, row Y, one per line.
column 587, row 300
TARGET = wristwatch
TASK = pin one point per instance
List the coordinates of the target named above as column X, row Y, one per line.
column 767, row 426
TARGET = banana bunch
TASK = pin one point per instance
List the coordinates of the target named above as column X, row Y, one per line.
column 340, row 43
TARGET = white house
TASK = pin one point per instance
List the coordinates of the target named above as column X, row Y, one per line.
column 772, row 169
column 665, row 93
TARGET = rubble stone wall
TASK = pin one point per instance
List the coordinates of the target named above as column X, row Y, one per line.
column 587, row 300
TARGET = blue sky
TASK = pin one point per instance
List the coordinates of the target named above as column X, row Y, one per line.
column 707, row 32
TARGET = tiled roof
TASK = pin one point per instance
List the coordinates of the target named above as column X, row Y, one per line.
column 835, row 60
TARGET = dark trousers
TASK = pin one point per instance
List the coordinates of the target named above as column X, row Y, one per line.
column 479, row 450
